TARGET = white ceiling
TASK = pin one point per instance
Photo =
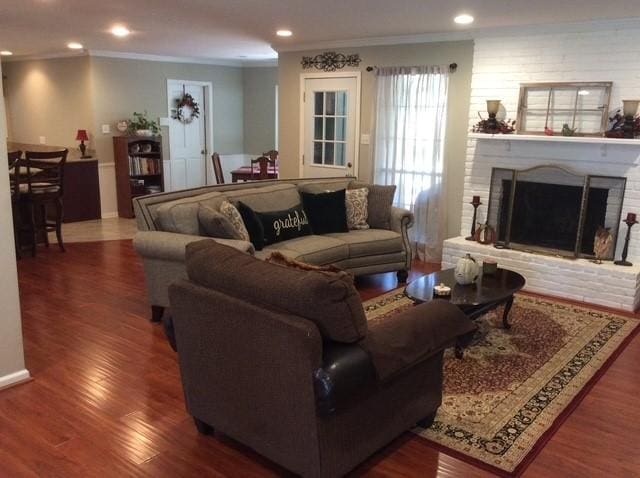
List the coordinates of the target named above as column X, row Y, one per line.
column 244, row 30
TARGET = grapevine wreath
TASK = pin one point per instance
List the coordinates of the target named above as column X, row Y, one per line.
column 187, row 109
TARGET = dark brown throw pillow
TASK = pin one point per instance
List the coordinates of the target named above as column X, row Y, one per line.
column 327, row 212
column 284, row 225
column 380, row 201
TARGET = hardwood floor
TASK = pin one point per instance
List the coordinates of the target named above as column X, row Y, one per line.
column 106, row 399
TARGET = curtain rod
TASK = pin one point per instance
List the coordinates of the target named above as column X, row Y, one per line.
column 452, row 67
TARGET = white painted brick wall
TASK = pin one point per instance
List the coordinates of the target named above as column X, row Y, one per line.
column 500, row 65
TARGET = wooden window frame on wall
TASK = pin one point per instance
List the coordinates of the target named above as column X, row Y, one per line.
column 525, row 87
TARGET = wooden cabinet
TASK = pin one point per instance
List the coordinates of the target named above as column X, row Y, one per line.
column 81, row 200
column 139, row 171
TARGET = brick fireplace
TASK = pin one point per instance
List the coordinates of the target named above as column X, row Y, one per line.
column 581, row 53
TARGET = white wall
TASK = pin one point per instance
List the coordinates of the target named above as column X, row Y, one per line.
column 11, row 352
column 500, row 64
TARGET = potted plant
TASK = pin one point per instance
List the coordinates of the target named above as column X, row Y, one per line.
column 141, row 125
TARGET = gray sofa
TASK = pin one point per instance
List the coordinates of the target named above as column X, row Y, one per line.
column 167, row 222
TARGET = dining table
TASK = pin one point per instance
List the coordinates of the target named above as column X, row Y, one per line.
column 247, row 173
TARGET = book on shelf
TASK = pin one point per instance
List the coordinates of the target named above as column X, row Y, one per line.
column 139, row 166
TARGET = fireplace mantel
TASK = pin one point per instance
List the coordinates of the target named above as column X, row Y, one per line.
column 555, row 139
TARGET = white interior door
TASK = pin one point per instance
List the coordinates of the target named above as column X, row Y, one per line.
column 187, row 141
column 331, row 123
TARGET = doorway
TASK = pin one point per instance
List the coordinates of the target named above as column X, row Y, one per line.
column 330, row 109
column 190, row 142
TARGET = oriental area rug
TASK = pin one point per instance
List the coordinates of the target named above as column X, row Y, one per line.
column 513, row 388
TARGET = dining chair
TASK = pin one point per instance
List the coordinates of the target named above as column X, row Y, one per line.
column 217, row 168
column 45, row 187
column 272, row 154
column 14, row 185
column 262, row 170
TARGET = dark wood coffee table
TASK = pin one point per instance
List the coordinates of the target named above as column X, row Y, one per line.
column 475, row 300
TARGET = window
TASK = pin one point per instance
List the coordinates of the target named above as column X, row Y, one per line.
column 330, row 128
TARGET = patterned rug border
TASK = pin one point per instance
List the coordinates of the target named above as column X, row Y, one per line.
column 569, row 408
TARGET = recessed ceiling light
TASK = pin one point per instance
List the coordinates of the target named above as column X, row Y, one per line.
column 463, row 19
column 284, row 33
column 75, row 46
column 6, row 53
column 120, row 31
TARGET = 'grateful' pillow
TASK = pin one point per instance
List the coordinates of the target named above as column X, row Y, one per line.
column 327, row 212
column 284, row 225
column 357, row 210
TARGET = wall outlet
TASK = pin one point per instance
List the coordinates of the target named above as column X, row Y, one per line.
column 365, row 139
column 106, row 129
column 43, row 140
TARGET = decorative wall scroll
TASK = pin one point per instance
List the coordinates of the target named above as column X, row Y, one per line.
column 330, row 61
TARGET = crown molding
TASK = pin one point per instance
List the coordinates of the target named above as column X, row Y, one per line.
column 467, row 34
column 144, row 57
column 45, row 56
column 164, row 58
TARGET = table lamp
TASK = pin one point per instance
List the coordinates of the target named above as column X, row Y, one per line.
column 493, row 106
column 82, row 136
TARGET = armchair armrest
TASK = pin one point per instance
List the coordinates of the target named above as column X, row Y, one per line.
column 171, row 246
column 414, row 335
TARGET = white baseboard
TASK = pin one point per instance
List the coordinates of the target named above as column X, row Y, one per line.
column 14, row 378
column 108, row 198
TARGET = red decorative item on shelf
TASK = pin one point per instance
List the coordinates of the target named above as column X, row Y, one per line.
column 82, row 136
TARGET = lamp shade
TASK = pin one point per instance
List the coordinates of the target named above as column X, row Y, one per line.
column 82, row 135
column 630, row 107
column 493, row 106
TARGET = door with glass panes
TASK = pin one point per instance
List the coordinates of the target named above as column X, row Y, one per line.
column 330, row 123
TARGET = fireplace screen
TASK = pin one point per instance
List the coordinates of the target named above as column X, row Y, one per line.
column 551, row 210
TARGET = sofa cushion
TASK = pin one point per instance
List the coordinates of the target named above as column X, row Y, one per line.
column 215, row 224
column 281, row 226
column 327, row 211
column 277, row 197
column 317, row 187
column 181, row 215
column 253, row 225
column 380, row 201
column 370, row 242
column 330, row 300
column 356, row 202
column 312, row 249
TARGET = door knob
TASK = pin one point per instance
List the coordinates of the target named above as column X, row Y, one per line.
column 202, row 152
column 349, row 165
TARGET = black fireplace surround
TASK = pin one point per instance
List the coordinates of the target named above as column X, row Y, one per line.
column 553, row 210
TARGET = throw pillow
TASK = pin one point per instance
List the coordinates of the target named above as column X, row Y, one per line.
column 253, row 225
column 380, row 201
column 279, row 258
column 357, row 208
column 229, row 210
column 216, row 224
column 327, row 212
column 283, row 225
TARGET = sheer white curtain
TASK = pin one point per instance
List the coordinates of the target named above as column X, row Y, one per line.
column 411, row 114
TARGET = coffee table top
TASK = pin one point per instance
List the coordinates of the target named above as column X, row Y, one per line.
column 488, row 288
